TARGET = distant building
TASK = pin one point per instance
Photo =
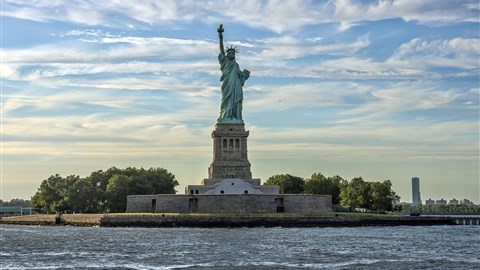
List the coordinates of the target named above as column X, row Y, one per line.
column 466, row 202
column 416, row 199
column 429, row 202
column 453, row 202
column 441, row 202
column 8, row 211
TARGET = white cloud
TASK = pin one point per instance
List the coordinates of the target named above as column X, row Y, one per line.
column 116, row 48
column 270, row 14
column 475, row 90
column 161, row 70
column 412, row 98
column 150, row 135
column 61, row 100
column 6, row 71
column 361, row 102
column 313, row 95
column 86, row 32
column 454, row 53
column 401, row 97
column 100, row 135
column 348, row 11
column 258, row 14
column 414, row 59
column 288, row 47
column 372, row 140
column 114, row 53
column 74, row 11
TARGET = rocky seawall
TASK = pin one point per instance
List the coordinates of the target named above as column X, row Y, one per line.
column 66, row 219
column 30, row 220
column 213, row 221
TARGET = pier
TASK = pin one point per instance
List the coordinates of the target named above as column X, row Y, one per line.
column 467, row 220
column 460, row 219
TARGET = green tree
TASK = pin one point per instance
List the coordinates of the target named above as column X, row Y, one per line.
column 382, row 196
column 355, row 194
column 289, row 184
column 319, row 184
column 101, row 190
column 162, row 181
column 49, row 194
column 99, row 180
column 377, row 196
column 64, row 187
column 133, row 181
column 140, row 185
column 83, row 197
column 118, row 189
column 38, row 202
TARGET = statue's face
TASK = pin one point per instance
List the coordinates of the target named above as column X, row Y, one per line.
column 231, row 55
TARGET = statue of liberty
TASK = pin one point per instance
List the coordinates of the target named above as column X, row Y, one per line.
column 232, row 82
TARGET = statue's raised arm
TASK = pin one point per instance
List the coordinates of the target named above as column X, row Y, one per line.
column 220, row 37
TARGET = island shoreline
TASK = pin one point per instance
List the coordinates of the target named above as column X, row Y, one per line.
column 222, row 221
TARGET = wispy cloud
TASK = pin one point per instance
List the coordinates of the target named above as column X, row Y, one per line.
column 406, row 97
column 422, row 11
column 454, row 53
column 6, row 71
column 374, row 139
column 115, row 49
column 290, row 48
column 313, row 95
column 124, row 54
column 264, row 14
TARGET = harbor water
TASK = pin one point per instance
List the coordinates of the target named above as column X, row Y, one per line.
column 403, row 247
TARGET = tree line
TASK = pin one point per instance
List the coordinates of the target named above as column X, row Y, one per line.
column 107, row 191
column 15, row 202
column 101, row 191
column 356, row 193
column 458, row 209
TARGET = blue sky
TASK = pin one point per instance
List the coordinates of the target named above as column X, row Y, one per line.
column 378, row 89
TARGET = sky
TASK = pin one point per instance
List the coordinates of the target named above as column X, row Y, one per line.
column 378, row 89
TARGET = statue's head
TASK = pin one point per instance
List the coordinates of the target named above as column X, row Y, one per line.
column 231, row 52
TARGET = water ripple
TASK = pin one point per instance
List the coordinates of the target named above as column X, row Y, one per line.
column 437, row 247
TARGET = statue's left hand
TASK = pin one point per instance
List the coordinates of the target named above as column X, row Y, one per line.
column 246, row 73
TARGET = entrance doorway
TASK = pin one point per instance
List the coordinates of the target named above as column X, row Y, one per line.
column 153, row 208
column 192, row 205
column 279, row 205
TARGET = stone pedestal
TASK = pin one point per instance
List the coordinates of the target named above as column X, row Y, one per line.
column 230, row 153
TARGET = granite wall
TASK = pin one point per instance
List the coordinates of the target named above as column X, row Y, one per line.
column 229, row 203
column 141, row 203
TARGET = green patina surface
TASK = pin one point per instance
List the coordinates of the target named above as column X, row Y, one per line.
column 232, row 83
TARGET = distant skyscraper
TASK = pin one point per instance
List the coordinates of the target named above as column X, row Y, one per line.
column 416, row 191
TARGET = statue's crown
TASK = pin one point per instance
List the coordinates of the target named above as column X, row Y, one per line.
column 232, row 49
